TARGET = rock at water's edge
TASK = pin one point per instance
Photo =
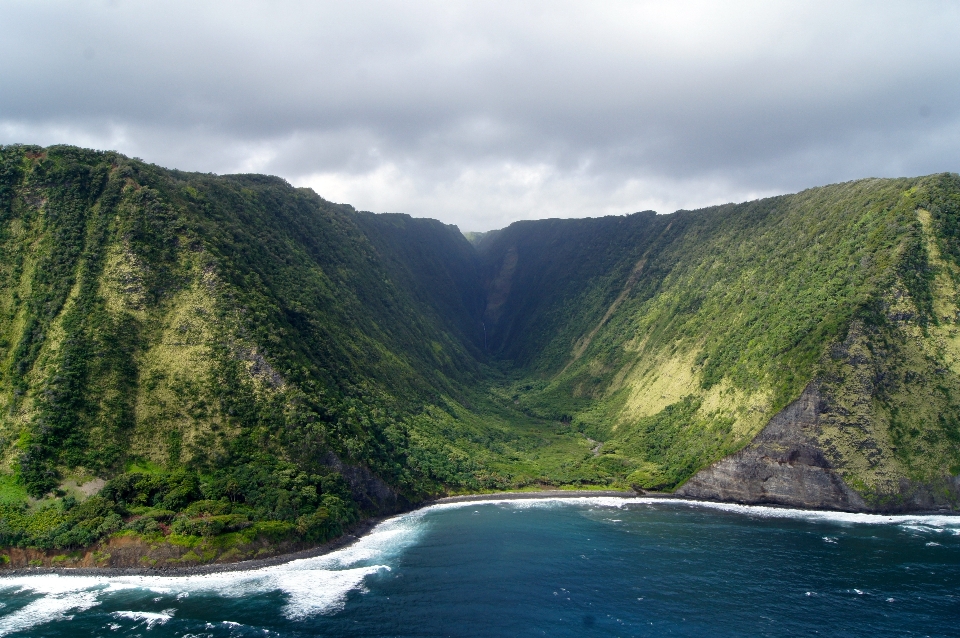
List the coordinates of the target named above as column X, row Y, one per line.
column 783, row 465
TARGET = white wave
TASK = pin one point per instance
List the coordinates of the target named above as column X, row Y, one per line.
column 320, row 585
column 927, row 522
column 148, row 617
column 765, row 511
column 312, row 585
column 49, row 608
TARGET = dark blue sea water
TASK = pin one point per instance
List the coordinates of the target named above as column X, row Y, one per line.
column 583, row 567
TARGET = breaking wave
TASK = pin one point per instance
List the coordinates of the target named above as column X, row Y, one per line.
column 312, row 585
column 320, row 585
column 913, row 522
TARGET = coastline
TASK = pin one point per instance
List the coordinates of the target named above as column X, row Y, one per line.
column 353, row 535
column 365, row 526
column 517, row 496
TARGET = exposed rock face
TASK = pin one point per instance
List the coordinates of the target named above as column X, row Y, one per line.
column 370, row 491
column 784, row 465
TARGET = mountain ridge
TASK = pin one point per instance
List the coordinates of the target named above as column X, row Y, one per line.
column 238, row 360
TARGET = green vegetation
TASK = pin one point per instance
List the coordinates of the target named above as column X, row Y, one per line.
column 239, row 359
column 674, row 339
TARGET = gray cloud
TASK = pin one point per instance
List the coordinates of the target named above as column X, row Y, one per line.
column 481, row 113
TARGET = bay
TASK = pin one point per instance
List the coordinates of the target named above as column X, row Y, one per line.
column 548, row 567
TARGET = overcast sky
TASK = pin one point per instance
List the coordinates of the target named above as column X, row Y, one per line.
column 483, row 113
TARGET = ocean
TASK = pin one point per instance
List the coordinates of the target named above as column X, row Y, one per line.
column 595, row 566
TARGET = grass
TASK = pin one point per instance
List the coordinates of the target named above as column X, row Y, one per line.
column 10, row 490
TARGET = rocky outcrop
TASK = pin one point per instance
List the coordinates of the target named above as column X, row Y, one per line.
column 369, row 491
column 783, row 465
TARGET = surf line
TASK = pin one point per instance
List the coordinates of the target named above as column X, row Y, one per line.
column 320, row 584
column 601, row 498
column 621, row 499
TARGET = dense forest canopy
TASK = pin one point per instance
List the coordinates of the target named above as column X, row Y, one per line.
column 229, row 358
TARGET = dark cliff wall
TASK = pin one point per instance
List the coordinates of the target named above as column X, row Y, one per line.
column 788, row 464
column 783, row 465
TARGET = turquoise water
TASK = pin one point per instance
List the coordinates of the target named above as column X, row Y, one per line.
column 576, row 567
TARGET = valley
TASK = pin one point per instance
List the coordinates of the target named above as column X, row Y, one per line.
column 225, row 367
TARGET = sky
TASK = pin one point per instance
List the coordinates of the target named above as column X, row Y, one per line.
column 483, row 113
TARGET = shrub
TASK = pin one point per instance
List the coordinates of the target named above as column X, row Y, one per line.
column 210, row 525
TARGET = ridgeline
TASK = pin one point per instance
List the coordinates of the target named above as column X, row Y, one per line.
column 199, row 368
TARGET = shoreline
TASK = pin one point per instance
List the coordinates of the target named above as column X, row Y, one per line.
column 365, row 526
column 356, row 533
column 518, row 496
column 361, row 529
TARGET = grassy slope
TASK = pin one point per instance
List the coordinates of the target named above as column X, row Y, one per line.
column 230, row 333
column 892, row 384
column 163, row 287
column 674, row 339
column 216, row 346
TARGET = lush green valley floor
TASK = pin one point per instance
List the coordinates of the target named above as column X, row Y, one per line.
column 232, row 358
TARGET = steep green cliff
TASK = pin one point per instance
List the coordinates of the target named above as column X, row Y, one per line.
column 231, row 364
column 194, row 338
column 674, row 339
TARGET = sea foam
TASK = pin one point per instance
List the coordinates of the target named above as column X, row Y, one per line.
column 320, row 585
column 49, row 607
column 912, row 522
column 147, row 617
column 312, row 585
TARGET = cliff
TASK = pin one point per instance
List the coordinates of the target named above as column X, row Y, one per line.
column 187, row 357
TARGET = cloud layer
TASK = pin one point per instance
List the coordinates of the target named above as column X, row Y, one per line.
column 479, row 114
